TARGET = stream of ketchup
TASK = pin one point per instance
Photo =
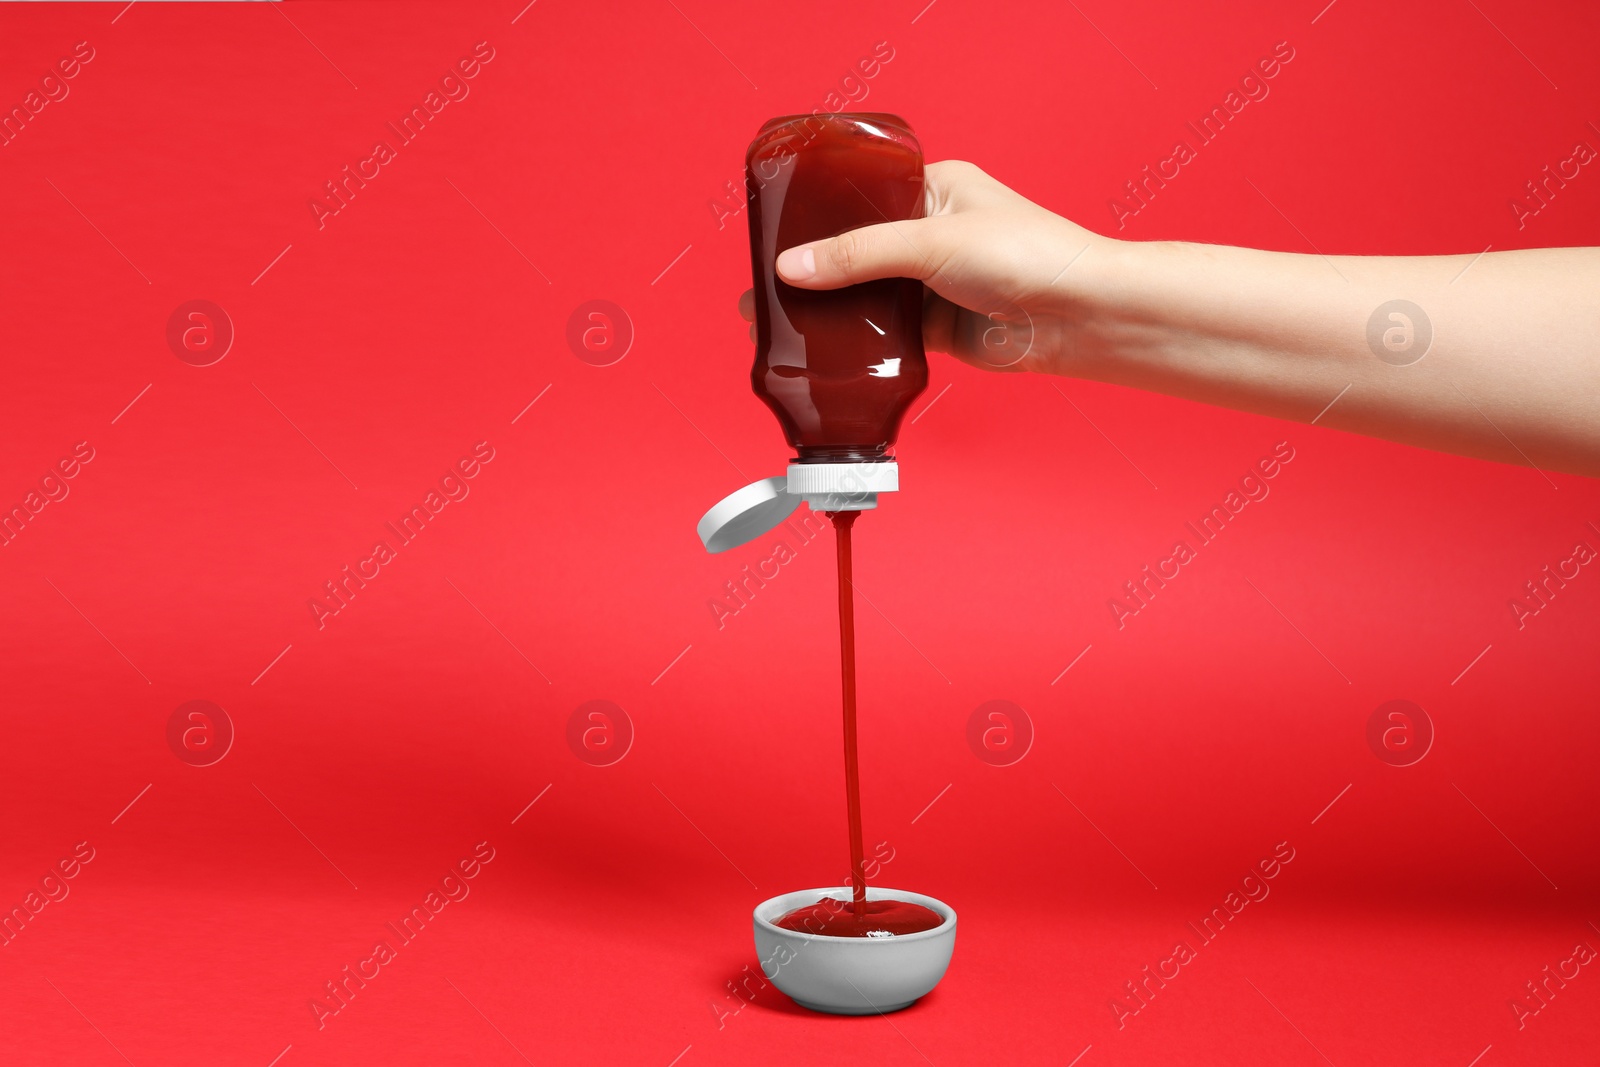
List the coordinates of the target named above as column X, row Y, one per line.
column 861, row 917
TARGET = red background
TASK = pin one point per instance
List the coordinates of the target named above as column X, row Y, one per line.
column 415, row 323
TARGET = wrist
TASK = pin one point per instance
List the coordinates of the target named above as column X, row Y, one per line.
column 1115, row 306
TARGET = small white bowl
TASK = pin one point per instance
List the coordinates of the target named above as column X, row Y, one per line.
column 852, row 975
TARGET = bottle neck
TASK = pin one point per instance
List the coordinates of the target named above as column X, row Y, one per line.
column 844, row 454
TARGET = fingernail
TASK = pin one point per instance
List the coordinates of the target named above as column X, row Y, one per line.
column 797, row 264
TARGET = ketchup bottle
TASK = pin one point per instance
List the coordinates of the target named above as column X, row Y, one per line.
column 838, row 367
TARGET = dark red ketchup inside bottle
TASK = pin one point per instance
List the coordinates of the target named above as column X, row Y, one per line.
column 839, row 367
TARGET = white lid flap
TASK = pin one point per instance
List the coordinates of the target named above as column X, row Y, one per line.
column 746, row 514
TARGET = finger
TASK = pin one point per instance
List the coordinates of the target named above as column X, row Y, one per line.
column 938, row 322
column 958, row 332
column 888, row 250
column 753, row 338
column 747, row 305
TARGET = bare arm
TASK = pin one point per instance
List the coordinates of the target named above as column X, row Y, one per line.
column 1495, row 356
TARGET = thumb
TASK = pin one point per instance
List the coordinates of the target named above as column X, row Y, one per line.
column 886, row 250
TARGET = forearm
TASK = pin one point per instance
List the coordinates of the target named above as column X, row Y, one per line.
column 1511, row 371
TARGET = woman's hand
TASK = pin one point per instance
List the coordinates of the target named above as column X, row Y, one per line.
column 1001, row 293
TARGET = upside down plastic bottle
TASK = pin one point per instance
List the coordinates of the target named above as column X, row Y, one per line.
column 838, row 367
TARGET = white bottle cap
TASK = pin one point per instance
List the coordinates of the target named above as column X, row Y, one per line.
column 746, row 514
column 843, row 486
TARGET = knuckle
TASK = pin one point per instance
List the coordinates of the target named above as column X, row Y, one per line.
column 846, row 253
column 958, row 169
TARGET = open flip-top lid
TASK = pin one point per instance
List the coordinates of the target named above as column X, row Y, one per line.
column 746, row 514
